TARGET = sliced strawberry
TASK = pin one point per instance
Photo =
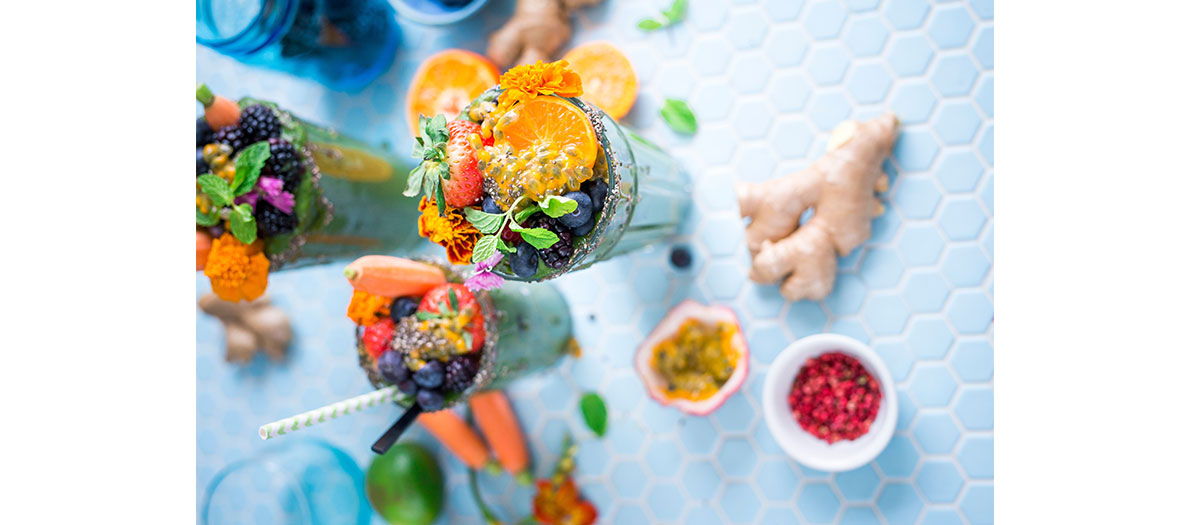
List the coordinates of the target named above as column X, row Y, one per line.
column 434, row 300
column 465, row 186
column 377, row 337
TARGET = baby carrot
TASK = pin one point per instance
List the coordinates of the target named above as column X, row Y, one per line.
column 497, row 422
column 392, row 276
column 457, row 436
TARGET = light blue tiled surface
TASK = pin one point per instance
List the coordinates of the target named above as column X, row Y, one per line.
column 768, row 81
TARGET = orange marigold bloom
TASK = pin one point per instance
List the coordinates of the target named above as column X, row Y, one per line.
column 525, row 81
column 561, row 505
column 364, row 307
column 237, row 271
column 451, row 231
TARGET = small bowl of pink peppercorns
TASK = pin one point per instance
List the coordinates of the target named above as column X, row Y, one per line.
column 830, row 402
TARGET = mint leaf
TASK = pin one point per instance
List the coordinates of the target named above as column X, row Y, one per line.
column 217, row 189
column 540, row 238
column 248, row 166
column 594, row 413
column 242, row 225
column 526, row 213
column 504, row 247
column 675, row 12
column 209, row 219
column 484, row 222
column 648, row 24
column 484, row 248
column 679, row 116
column 556, row 206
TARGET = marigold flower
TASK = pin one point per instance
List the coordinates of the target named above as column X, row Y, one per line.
column 561, row 505
column 451, row 231
column 237, row 271
column 525, row 81
column 364, row 307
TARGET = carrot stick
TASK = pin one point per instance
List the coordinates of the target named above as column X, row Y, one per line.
column 496, row 420
column 457, row 436
column 392, row 276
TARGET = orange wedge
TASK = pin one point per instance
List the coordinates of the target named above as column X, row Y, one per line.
column 608, row 79
column 555, row 123
column 446, row 82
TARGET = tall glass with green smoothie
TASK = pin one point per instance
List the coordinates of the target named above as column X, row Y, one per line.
column 277, row 192
column 420, row 327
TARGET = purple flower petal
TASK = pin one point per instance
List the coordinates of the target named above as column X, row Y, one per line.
column 484, row 281
column 249, row 198
column 283, row 201
column 270, row 186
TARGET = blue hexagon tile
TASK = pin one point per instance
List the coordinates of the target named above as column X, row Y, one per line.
column 768, row 81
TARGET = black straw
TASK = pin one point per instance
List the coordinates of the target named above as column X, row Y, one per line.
column 391, row 436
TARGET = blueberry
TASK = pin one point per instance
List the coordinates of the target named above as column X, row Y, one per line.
column 580, row 216
column 408, row 387
column 403, row 307
column 597, row 190
column 430, row 375
column 392, row 368
column 681, row 257
column 524, row 261
column 202, row 166
column 489, row 206
column 430, row 400
column 583, row 230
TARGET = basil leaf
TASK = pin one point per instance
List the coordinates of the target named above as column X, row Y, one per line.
column 594, row 413
column 679, row 116
column 648, row 24
column 540, row 238
column 484, row 222
column 242, row 225
column 484, row 248
column 217, row 189
column 248, row 166
column 556, row 206
column 504, row 247
column 209, row 219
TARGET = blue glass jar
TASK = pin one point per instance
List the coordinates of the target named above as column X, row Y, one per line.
column 343, row 44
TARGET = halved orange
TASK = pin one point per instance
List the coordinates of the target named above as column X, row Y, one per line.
column 446, row 82
column 608, row 79
column 554, row 122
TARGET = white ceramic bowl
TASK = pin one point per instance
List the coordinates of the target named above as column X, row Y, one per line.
column 805, row 448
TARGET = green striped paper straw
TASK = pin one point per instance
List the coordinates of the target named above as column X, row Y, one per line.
column 333, row 411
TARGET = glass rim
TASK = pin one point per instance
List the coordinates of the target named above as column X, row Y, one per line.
column 256, row 24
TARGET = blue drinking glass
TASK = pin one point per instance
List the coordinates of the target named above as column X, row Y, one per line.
column 300, row 482
column 343, row 44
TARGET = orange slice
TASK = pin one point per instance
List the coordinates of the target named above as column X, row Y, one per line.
column 608, row 79
column 554, row 123
column 446, row 82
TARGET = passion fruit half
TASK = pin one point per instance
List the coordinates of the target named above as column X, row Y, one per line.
column 695, row 358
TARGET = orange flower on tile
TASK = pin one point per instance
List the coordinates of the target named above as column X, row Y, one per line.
column 364, row 307
column 237, row 271
column 451, row 231
column 561, row 504
column 526, row 81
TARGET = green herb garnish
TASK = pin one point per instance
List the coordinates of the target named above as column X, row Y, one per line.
column 241, row 223
column 492, row 224
column 679, row 116
column 248, row 167
column 594, row 412
column 672, row 15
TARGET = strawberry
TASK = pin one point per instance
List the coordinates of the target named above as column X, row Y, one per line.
column 438, row 301
column 465, row 186
column 377, row 337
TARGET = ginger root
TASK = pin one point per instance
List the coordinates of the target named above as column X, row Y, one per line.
column 249, row 327
column 840, row 188
column 537, row 29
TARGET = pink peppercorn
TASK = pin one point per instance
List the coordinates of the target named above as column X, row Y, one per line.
column 834, row 397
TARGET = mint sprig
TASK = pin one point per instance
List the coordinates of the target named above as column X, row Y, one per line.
column 431, row 147
column 672, row 15
column 217, row 189
column 242, row 224
column 679, row 116
column 492, row 224
column 248, row 167
column 209, row 218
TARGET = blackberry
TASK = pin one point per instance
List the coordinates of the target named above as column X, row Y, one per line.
column 204, row 132
column 558, row 255
column 286, row 163
column 232, row 136
column 460, row 372
column 202, row 166
column 272, row 221
column 259, row 123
